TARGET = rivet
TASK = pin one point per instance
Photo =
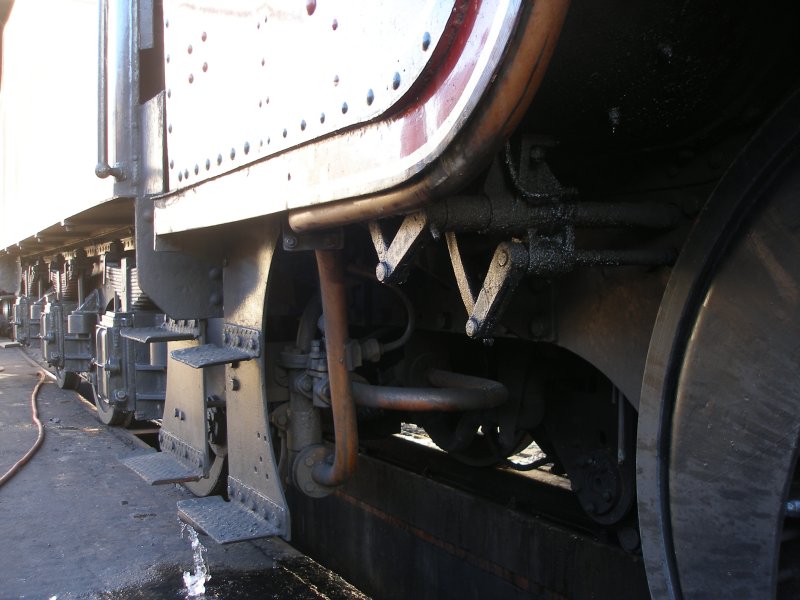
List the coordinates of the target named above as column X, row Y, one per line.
column 322, row 118
column 288, row 177
column 266, row 100
column 167, row 58
column 502, row 260
column 260, row 143
column 180, row 176
column 335, row 80
column 263, row 62
column 172, row 164
column 269, row 139
column 258, row 434
column 260, row 103
column 396, row 81
column 186, row 173
column 166, row 23
column 169, row 93
column 335, row 25
column 247, row 147
column 303, row 125
column 190, row 49
column 205, row 67
column 311, row 6
column 191, row 78
column 290, row 241
column 258, row 25
column 344, row 108
column 233, row 153
column 196, row 169
column 203, row 36
column 370, row 97
column 219, row 159
column 285, row 133
column 208, row 164
column 426, row 40
column 169, row 128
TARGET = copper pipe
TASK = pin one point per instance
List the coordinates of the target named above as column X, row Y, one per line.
column 497, row 115
column 457, row 393
column 334, row 307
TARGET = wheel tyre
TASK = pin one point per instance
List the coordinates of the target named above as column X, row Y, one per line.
column 111, row 415
column 718, row 419
column 67, row 380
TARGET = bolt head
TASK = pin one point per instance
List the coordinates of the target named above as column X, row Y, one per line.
column 502, row 259
column 382, row 271
column 472, row 327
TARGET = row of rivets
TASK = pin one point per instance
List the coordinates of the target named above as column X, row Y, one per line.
column 370, row 96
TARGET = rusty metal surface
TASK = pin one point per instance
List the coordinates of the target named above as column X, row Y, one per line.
column 334, row 309
column 455, row 392
column 383, row 153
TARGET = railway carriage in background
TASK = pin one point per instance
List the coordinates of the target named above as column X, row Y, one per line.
column 284, row 228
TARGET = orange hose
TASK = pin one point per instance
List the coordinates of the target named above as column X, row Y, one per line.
column 39, row 439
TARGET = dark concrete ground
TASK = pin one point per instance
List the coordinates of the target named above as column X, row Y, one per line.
column 75, row 523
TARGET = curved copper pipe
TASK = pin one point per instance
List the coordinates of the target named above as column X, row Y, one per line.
column 495, row 118
column 457, row 393
column 334, row 307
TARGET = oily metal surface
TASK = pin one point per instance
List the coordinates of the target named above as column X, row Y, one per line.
column 400, row 534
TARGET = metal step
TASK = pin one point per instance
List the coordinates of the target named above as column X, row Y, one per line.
column 225, row 522
column 149, row 335
column 158, row 468
column 209, row 355
column 239, row 344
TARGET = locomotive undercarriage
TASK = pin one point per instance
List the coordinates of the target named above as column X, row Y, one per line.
column 470, row 321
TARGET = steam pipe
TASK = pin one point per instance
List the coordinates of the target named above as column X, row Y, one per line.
column 454, row 393
column 334, row 307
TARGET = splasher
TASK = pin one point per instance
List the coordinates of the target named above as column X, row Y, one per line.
column 195, row 581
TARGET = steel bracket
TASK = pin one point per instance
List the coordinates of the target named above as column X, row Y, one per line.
column 395, row 256
column 509, row 264
column 328, row 239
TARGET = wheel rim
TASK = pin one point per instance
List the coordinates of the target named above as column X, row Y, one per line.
column 711, row 512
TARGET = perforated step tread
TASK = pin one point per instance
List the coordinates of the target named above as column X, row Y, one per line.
column 209, row 355
column 158, row 468
column 148, row 335
column 225, row 522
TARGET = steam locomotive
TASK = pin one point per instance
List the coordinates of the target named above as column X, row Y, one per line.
column 283, row 227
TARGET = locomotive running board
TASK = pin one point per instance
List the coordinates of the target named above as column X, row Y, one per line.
column 159, row 468
column 247, row 516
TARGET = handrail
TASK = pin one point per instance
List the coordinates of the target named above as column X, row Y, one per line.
column 103, row 169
